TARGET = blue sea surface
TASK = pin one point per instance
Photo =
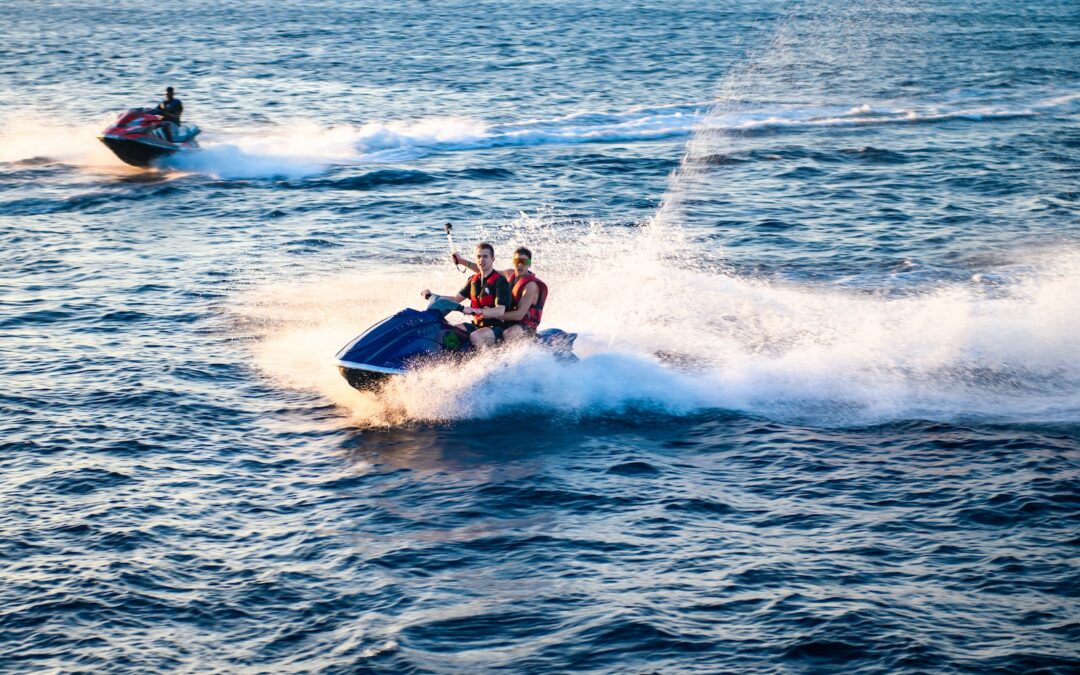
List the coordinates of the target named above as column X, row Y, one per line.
column 823, row 259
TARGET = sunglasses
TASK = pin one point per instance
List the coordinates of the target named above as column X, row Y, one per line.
column 523, row 261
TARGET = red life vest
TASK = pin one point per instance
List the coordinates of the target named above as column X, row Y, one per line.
column 483, row 294
column 517, row 291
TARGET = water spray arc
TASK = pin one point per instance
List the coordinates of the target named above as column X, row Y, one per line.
column 778, row 50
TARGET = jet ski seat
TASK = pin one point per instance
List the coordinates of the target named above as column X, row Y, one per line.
column 180, row 134
column 185, row 133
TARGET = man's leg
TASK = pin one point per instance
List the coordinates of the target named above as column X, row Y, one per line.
column 513, row 332
column 482, row 337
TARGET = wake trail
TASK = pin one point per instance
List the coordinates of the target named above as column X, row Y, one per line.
column 302, row 150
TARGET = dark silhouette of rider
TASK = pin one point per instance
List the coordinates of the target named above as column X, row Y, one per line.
column 170, row 110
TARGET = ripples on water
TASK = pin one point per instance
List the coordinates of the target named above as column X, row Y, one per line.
column 827, row 413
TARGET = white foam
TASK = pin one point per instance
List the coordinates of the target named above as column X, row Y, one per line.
column 234, row 163
column 292, row 151
column 300, row 150
column 447, row 132
column 676, row 341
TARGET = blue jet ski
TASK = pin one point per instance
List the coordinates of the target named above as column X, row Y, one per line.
column 412, row 338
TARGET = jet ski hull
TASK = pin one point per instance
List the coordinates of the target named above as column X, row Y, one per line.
column 412, row 339
column 365, row 378
column 139, row 152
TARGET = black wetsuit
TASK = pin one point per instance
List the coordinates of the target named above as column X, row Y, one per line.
column 171, row 110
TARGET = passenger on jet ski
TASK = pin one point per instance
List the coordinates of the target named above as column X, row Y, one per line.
column 528, row 294
column 489, row 296
column 170, row 110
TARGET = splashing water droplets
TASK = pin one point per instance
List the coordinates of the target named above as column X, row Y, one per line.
column 664, row 325
column 660, row 336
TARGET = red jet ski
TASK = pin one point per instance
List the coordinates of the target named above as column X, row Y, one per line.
column 139, row 137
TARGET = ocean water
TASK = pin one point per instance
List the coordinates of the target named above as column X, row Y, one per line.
column 823, row 258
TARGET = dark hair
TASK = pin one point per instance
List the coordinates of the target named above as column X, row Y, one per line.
column 489, row 247
column 522, row 251
column 169, row 89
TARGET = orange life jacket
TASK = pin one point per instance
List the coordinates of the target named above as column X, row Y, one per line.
column 517, row 291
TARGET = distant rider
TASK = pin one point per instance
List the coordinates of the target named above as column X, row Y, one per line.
column 489, row 296
column 170, row 110
column 528, row 294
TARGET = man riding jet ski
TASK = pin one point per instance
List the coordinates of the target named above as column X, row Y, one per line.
column 142, row 135
column 527, row 295
column 489, row 295
column 410, row 338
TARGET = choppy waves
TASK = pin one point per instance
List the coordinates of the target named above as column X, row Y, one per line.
column 826, row 416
